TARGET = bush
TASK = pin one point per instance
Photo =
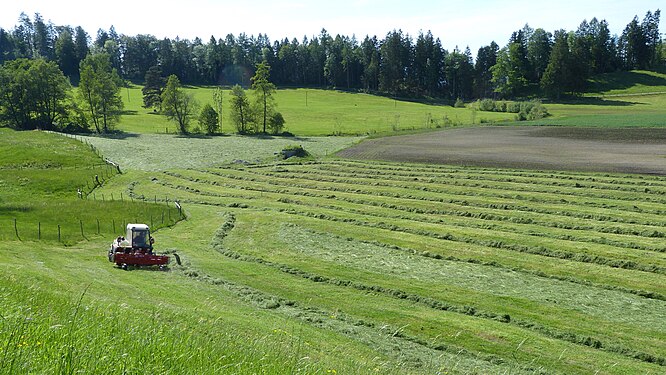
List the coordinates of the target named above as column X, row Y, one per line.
column 513, row 107
column 487, row 105
column 276, row 123
column 294, row 151
column 459, row 103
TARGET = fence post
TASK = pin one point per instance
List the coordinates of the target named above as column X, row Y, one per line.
column 114, row 226
column 111, row 196
column 16, row 229
column 98, row 227
column 59, row 233
column 39, row 230
column 81, row 224
column 162, row 216
column 102, row 197
column 121, row 196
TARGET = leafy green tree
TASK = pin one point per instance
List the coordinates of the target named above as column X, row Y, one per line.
column 99, row 91
column 395, row 58
column 508, row 77
column 177, row 105
column 241, row 113
column 558, row 75
column 208, row 119
column 263, row 91
column 153, row 87
column 218, row 99
column 33, row 94
column 276, row 123
column 43, row 38
column 539, row 46
column 486, row 58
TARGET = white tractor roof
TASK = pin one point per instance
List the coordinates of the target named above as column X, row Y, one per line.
column 137, row 226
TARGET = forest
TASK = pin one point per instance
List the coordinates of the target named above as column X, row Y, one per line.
column 534, row 62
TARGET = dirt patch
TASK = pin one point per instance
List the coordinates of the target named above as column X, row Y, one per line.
column 624, row 150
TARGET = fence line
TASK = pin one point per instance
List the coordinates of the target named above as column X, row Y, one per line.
column 93, row 226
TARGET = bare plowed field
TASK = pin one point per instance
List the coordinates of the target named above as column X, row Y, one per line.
column 623, row 150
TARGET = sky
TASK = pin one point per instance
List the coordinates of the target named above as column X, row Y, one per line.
column 473, row 23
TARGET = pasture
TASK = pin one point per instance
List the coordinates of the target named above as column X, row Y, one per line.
column 332, row 265
column 628, row 99
column 317, row 112
column 359, row 267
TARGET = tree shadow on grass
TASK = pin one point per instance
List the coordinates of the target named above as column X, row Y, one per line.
column 626, row 80
column 595, row 101
column 117, row 134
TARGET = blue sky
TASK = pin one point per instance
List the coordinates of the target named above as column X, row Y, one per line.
column 460, row 23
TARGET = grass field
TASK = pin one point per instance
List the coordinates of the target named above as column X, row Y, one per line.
column 357, row 267
column 325, row 265
column 507, row 267
column 327, row 112
column 40, row 175
column 624, row 99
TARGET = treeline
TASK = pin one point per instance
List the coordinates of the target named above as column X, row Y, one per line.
column 534, row 62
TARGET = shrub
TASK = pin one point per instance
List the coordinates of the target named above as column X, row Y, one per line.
column 294, row 150
column 513, row 107
column 459, row 103
column 487, row 105
column 276, row 123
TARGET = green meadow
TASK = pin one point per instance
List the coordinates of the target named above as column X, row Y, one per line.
column 339, row 266
column 325, row 265
column 636, row 98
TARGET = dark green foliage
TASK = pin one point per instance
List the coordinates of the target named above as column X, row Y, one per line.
column 263, row 91
column 208, row 119
column 177, row 105
column 153, row 87
column 241, row 113
column 33, row 94
column 394, row 65
column 99, row 91
column 276, row 123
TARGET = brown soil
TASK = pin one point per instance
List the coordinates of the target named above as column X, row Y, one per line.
column 625, row 150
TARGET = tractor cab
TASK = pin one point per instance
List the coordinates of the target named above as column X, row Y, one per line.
column 139, row 237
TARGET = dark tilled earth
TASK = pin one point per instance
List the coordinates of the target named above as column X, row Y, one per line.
column 622, row 150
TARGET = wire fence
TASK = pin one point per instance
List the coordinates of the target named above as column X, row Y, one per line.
column 71, row 231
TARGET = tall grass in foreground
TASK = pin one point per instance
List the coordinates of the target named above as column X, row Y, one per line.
column 44, row 333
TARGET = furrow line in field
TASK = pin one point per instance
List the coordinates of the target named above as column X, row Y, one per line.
column 505, row 207
column 639, row 292
column 561, row 175
column 446, row 306
column 510, row 184
column 485, row 191
column 470, row 175
column 485, row 221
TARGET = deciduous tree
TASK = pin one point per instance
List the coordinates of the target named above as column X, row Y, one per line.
column 99, row 91
column 241, row 114
column 33, row 94
column 208, row 119
column 263, row 91
column 177, row 105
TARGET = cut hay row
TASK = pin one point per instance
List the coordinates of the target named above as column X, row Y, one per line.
column 543, row 264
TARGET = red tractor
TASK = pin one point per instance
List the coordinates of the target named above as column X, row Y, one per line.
column 136, row 249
